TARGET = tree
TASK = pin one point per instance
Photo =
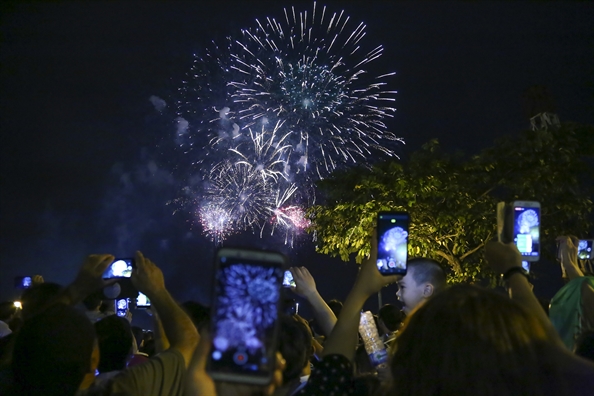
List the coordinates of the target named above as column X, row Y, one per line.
column 451, row 199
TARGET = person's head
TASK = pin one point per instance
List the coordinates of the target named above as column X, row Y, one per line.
column 295, row 344
column 584, row 345
column 199, row 314
column 92, row 302
column 391, row 317
column 53, row 352
column 424, row 278
column 468, row 341
column 37, row 296
column 335, row 306
column 7, row 310
column 115, row 343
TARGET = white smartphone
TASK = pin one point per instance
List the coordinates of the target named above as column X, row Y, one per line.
column 245, row 308
column 526, row 228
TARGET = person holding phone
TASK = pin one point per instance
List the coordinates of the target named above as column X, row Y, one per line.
column 424, row 279
column 572, row 308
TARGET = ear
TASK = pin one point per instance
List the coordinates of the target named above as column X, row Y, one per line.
column 428, row 290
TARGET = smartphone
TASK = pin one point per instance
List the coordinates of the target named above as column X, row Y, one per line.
column 392, row 242
column 23, row 282
column 120, row 268
column 245, row 308
column 288, row 280
column 526, row 266
column 526, row 226
column 142, row 301
column 121, row 306
column 585, row 249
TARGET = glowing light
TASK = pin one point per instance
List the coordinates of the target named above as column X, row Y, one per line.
column 274, row 110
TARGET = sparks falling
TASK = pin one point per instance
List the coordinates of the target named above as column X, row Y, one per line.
column 275, row 109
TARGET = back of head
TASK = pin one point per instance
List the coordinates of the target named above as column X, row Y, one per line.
column 52, row 352
column 114, row 336
column 199, row 314
column 295, row 344
column 392, row 316
column 7, row 309
column 426, row 270
column 92, row 302
column 37, row 296
column 335, row 306
column 478, row 342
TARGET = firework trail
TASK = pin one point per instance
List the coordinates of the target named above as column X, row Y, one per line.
column 273, row 111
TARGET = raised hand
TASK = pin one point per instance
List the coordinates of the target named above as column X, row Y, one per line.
column 147, row 277
column 305, row 285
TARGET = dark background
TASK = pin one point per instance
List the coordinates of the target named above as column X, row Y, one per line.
column 82, row 164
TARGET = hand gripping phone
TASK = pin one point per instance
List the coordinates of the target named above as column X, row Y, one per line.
column 120, row 268
column 245, row 307
column 520, row 222
column 392, row 242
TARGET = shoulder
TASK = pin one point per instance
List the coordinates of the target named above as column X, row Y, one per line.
column 162, row 373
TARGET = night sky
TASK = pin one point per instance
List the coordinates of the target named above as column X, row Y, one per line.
column 83, row 169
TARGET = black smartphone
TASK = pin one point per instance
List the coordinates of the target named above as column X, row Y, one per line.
column 392, row 242
column 288, row 280
column 526, row 225
column 121, row 306
column 245, row 308
column 142, row 301
column 23, row 282
column 120, row 268
column 585, row 249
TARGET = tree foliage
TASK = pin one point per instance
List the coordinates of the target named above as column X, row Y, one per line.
column 451, row 198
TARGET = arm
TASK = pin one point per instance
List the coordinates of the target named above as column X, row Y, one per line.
column 88, row 280
column 343, row 338
column 161, row 341
column 568, row 257
column 501, row 257
column 177, row 326
column 306, row 287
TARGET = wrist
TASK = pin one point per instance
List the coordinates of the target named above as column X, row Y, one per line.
column 514, row 271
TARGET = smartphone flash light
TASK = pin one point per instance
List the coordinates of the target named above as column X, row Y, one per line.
column 18, row 305
column 393, row 221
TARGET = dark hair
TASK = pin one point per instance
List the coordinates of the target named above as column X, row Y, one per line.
column 426, row 270
column 92, row 302
column 52, row 352
column 335, row 306
column 7, row 309
column 478, row 341
column 392, row 316
column 199, row 314
column 295, row 344
column 115, row 341
column 34, row 298
column 584, row 345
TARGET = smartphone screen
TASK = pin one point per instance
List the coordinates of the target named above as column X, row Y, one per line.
column 288, row 280
column 142, row 301
column 121, row 307
column 527, row 229
column 392, row 239
column 245, row 309
column 526, row 266
column 120, row 268
column 585, row 249
column 23, row 282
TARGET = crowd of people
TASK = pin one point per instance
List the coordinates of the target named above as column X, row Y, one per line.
column 446, row 340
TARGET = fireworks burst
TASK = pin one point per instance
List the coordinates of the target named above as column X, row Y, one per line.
column 274, row 111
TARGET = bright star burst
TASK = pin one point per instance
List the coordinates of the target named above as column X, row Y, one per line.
column 273, row 111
